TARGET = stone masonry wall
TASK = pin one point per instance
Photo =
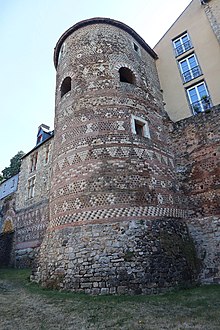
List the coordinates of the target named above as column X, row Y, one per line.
column 32, row 210
column 212, row 10
column 31, row 224
column 108, row 180
column 197, row 145
column 41, row 173
column 137, row 256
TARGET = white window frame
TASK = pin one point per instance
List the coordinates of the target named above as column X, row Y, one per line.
column 200, row 104
column 182, row 44
column 33, row 165
column 47, row 155
column 192, row 76
column 143, row 123
column 31, row 187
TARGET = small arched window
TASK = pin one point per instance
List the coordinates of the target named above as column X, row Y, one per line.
column 65, row 86
column 126, row 75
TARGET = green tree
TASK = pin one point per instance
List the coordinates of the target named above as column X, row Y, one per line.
column 15, row 164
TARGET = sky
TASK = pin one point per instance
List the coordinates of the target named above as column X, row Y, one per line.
column 29, row 30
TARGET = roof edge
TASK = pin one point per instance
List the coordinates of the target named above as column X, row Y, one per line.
column 39, row 145
column 101, row 20
column 173, row 24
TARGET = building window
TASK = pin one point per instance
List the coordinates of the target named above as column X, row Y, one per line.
column 126, row 75
column 33, row 162
column 13, row 183
column 199, row 98
column 203, row 2
column 31, row 187
column 136, row 48
column 182, row 44
column 189, row 68
column 61, row 52
column 40, row 138
column 47, row 154
column 140, row 127
column 65, row 86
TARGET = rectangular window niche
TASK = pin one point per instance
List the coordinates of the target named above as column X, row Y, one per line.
column 139, row 126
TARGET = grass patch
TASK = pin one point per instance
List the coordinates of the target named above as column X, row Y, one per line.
column 195, row 308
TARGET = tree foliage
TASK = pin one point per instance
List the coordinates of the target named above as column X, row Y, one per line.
column 14, row 168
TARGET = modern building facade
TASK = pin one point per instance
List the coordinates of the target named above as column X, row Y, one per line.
column 189, row 61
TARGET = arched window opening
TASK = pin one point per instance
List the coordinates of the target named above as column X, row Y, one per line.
column 126, row 75
column 66, row 86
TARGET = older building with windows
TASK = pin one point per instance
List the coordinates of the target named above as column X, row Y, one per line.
column 124, row 199
column 189, row 61
column 24, row 200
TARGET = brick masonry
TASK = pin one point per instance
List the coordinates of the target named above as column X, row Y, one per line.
column 197, row 145
column 113, row 192
column 114, row 211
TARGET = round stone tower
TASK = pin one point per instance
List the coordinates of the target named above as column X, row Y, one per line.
column 115, row 213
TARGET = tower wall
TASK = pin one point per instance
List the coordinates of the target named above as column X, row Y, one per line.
column 114, row 205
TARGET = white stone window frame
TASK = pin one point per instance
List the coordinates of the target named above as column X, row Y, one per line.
column 47, row 155
column 33, row 159
column 143, row 123
column 31, row 186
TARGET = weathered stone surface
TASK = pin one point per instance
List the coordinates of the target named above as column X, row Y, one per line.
column 155, row 255
column 197, row 148
column 32, row 213
column 212, row 10
column 110, row 185
column 119, row 201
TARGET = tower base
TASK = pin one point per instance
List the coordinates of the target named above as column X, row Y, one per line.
column 130, row 257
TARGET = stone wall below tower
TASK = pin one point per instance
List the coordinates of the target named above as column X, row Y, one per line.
column 206, row 235
column 197, row 148
column 140, row 256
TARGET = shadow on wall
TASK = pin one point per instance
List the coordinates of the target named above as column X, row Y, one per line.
column 6, row 248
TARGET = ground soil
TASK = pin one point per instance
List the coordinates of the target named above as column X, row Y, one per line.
column 24, row 306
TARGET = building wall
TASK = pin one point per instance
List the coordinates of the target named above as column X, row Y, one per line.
column 112, row 216
column 9, row 186
column 205, row 46
column 212, row 10
column 197, row 145
column 32, row 213
column 41, row 174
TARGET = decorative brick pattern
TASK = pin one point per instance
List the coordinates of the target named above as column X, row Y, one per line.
column 105, row 176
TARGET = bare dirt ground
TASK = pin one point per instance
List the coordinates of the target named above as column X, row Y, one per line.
column 25, row 306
